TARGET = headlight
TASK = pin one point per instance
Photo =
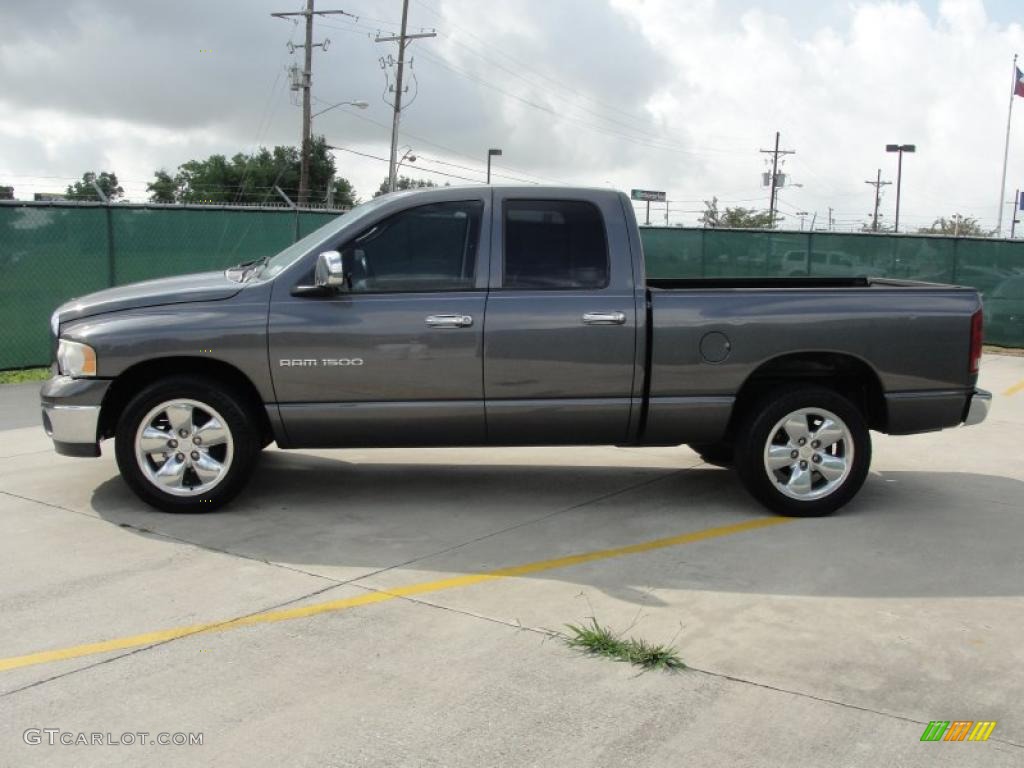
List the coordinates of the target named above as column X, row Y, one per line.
column 55, row 323
column 76, row 359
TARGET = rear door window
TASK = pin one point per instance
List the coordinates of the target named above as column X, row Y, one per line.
column 554, row 244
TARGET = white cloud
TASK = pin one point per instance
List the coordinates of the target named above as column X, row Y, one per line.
column 636, row 93
column 891, row 73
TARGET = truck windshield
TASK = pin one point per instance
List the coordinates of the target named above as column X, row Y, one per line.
column 324, row 234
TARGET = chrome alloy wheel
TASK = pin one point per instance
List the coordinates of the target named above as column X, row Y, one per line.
column 809, row 454
column 184, row 447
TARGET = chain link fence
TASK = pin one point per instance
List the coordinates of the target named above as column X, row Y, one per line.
column 51, row 252
column 995, row 267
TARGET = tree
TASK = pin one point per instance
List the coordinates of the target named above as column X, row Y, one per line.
column 738, row 218
column 163, row 188
column 344, row 194
column 403, row 183
column 957, row 226
column 251, row 178
column 84, row 190
column 6, row 193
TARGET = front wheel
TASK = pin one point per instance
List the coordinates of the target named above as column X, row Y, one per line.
column 184, row 444
column 805, row 452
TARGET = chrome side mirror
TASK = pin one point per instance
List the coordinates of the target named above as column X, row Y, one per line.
column 330, row 270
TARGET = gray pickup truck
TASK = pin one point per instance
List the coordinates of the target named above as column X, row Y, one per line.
column 502, row 316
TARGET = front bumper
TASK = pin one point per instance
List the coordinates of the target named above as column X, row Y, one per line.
column 978, row 407
column 71, row 414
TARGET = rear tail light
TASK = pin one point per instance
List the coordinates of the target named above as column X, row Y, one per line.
column 976, row 336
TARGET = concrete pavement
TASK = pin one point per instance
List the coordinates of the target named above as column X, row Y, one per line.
column 813, row 642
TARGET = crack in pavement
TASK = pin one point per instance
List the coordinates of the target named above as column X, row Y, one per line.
column 549, row 633
column 335, row 583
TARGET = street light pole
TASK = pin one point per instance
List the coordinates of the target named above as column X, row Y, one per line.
column 407, row 155
column 899, row 149
column 491, row 153
column 357, row 104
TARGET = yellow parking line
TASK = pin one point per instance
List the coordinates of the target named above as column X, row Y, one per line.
column 332, row 606
column 1019, row 386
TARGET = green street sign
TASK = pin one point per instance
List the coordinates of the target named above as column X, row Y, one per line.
column 647, row 194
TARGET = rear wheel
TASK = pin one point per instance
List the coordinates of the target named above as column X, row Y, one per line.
column 805, row 452
column 183, row 444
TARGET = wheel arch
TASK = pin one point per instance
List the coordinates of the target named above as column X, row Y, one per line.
column 144, row 373
column 847, row 374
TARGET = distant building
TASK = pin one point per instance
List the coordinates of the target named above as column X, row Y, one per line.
column 6, row 193
column 49, row 197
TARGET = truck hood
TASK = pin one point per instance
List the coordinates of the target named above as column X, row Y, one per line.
column 203, row 286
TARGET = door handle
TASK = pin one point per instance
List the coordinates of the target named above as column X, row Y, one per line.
column 604, row 318
column 449, row 321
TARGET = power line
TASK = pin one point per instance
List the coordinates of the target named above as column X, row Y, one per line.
column 643, row 135
column 455, row 152
column 475, row 170
column 631, row 138
column 386, row 160
column 521, row 65
column 574, row 92
column 641, row 132
column 268, row 111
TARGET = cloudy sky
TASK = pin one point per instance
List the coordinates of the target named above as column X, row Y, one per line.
column 674, row 95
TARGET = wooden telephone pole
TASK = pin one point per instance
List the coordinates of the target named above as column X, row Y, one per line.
column 775, row 175
column 403, row 40
column 307, row 82
column 877, row 184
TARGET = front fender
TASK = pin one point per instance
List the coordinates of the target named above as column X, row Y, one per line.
column 231, row 331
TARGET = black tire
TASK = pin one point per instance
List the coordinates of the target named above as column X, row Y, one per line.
column 757, row 427
column 716, row 454
column 241, row 427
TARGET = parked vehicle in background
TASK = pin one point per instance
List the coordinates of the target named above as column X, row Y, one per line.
column 505, row 316
column 818, row 264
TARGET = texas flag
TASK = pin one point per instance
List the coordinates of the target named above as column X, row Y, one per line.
column 1019, row 88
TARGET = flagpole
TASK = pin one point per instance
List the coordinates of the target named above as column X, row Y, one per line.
column 1006, row 150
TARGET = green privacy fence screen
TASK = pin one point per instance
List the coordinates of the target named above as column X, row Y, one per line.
column 50, row 253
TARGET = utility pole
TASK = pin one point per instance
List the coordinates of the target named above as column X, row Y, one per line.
column 307, row 82
column 1017, row 208
column 877, row 184
column 307, row 120
column 402, row 40
column 775, row 174
column 830, row 220
column 491, row 153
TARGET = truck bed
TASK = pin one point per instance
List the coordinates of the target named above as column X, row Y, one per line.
column 707, row 337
